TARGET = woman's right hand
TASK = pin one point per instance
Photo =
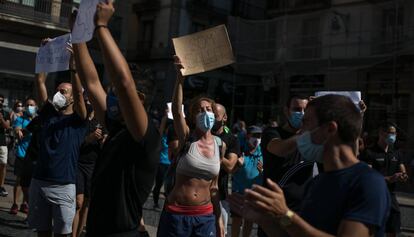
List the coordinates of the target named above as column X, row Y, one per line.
column 178, row 67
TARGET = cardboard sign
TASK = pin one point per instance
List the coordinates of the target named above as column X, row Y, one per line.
column 84, row 25
column 355, row 96
column 204, row 51
column 53, row 56
column 170, row 115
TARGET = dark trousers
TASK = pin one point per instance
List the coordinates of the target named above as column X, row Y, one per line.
column 159, row 181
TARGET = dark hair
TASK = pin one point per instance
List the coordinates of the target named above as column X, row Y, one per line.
column 17, row 102
column 384, row 125
column 295, row 97
column 343, row 111
column 30, row 98
column 195, row 104
column 1, row 96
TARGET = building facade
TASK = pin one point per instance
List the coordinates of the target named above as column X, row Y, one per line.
column 149, row 47
column 306, row 46
column 23, row 24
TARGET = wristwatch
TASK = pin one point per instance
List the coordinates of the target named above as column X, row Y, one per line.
column 286, row 219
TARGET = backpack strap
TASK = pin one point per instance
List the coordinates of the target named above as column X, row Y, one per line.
column 219, row 143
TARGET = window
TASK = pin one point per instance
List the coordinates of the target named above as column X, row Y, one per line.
column 310, row 43
column 196, row 27
column 147, row 33
column 30, row 3
column 392, row 20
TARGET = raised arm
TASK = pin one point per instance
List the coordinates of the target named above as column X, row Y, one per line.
column 40, row 85
column 90, row 80
column 89, row 77
column 180, row 125
column 78, row 102
column 132, row 108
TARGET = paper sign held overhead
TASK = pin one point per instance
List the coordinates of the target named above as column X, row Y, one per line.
column 170, row 115
column 204, row 51
column 84, row 25
column 53, row 56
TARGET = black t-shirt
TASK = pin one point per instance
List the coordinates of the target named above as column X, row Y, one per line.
column 89, row 152
column 387, row 163
column 122, row 180
column 232, row 146
column 3, row 131
column 32, row 152
column 171, row 135
column 274, row 166
column 290, row 172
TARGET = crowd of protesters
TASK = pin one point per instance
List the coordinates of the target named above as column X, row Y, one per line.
column 89, row 156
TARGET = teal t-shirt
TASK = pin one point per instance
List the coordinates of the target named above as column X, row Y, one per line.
column 164, row 151
column 23, row 144
column 248, row 174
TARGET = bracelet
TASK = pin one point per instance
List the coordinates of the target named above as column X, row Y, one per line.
column 100, row 26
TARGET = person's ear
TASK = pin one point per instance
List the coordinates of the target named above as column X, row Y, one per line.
column 332, row 128
column 225, row 118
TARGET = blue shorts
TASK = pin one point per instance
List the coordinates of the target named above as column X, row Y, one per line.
column 175, row 225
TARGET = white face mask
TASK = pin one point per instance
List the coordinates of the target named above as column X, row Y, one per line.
column 254, row 141
column 59, row 101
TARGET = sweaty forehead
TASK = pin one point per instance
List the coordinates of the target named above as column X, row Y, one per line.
column 204, row 104
column 298, row 103
column 64, row 86
column 391, row 129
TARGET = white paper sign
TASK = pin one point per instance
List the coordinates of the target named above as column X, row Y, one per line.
column 84, row 25
column 355, row 96
column 53, row 56
column 170, row 115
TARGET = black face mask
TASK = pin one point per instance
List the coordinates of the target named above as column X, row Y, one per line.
column 217, row 126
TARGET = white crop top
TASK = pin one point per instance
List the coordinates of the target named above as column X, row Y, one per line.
column 194, row 164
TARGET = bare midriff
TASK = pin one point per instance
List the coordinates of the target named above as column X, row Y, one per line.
column 190, row 191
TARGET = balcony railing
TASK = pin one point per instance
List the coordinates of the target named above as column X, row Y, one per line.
column 206, row 7
column 56, row 12
column 147, row 6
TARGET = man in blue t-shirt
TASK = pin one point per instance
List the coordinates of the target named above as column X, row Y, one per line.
column 348, row 199
column 63, row 129
column 23, row 139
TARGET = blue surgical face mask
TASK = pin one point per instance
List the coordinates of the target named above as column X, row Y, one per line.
column 205, row 121
column 295, row 119
column 391, row 138
column 309, row 150
column 31, row 110
column 112, row 106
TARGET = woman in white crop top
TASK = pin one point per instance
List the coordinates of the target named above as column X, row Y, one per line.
column 192, row 208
